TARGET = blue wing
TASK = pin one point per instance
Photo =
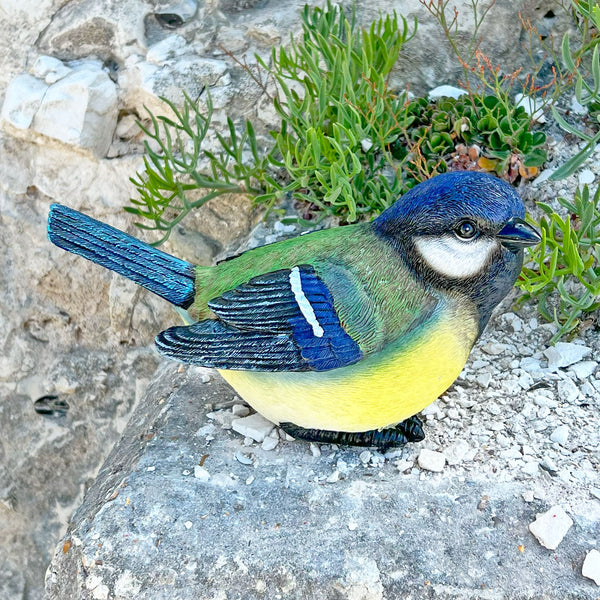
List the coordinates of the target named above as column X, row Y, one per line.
column 281, row 321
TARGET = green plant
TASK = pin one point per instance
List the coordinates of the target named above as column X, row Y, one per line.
column 564, row 269
column 583, row 64
column 331, row 149
column 501, row 130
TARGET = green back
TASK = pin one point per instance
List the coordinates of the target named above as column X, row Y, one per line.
column 376, row 297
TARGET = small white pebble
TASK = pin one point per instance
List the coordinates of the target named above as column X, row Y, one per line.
column 250, row 480
column 352, row 525
column 315, row 450
column 583, row 369
column 456, row 452
column 430, row 460
column 560, row 435
column 586, row 176
column 334, row 477
column 445, row 91
column 527, row 495
column 270, row 443
column 244, row 459
column 567, row 390
column 100, row 592
column 591, row 566
column 365, row 456
column 240, row 410
column 254, row 426
column 201, row 473
column 151, row 469
column 188, row 524
column 551, row 527
column 565, row 354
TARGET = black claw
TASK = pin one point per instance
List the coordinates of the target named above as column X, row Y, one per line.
column 410, row 430
column 413, row 429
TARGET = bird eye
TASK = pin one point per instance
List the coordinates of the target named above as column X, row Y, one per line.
column 466, row 230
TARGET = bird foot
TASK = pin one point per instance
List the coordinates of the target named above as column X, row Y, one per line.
column 410, row 430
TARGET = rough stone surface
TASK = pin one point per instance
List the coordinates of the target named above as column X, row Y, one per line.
column 282, row 526
column 551, row 527
column 591, row 566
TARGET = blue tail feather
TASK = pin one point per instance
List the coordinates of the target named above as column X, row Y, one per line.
column 171, row 278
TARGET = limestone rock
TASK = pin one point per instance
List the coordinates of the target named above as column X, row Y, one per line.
column 591, row 566
column 80, row 109
column 564, row 354
column 551, row 527
column 430, row 460
column 23, row 99
column 273, row 528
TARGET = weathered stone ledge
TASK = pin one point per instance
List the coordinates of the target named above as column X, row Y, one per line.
column 177, row 513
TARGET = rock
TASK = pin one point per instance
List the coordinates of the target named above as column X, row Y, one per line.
column 528, row 495
column 483, row 379
column 270, row 443
column 254, row 426
column 551, row 527
column 166, row 50
column 447, row 91
column 544, row 176
column 23, row 99
column 224, row 418
column 585, row 177
column 564, row 354
column 240, row 410
column 456, row 452
column 430, row 460
column 310, row 505
column 560, row 435
column 591, row 566
column 567, row 390
column 80, row 109
column 531, row 468
column 532, row 106
column 49, row 69
column 584, row 369
column 201, row 473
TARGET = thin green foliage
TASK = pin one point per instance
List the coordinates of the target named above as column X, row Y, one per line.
column 174, row 172
column 583, row 63
column 564, row 269
column 331, row 149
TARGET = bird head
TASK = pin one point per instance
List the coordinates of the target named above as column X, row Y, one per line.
column 461, row 232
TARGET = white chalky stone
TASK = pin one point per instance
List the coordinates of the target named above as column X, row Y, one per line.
column 201, row 473
column 584, row 369
column 270, row 443
column 591, row 566
column 446, row 91
column 456, row 452
column 551, row 527
column 430, row 460
column 565, row 354
column 567, row 390
column 254, row 426
column 560, row 435
column 586, row 176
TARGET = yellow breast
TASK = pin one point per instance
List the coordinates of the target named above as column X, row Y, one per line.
column 381, row 390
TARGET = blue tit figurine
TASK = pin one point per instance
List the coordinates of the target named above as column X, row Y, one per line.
column 341, row 335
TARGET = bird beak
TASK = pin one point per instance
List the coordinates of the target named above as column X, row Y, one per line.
column 517, row 234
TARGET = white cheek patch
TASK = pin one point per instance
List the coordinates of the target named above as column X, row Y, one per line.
column 451, row 257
